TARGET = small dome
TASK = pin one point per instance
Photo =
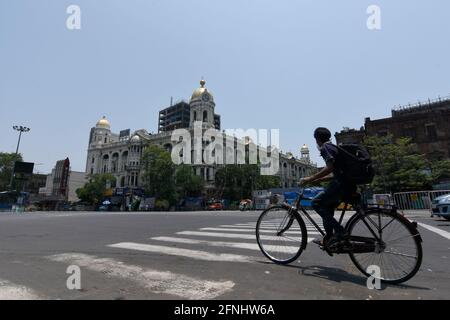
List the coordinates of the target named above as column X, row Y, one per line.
column 199, row 92
column 304, row 148
column 103, row 123
column 289, row 155
column 135, row 139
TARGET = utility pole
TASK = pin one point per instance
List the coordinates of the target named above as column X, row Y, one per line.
column 21, row 129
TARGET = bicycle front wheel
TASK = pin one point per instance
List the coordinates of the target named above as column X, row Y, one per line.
column 281, row 234
column 398, row 252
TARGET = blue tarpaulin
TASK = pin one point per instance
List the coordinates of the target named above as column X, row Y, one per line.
column 290, row 196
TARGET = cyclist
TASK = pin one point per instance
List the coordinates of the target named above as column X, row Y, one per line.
column 326, row 202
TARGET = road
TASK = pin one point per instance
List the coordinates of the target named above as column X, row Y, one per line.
column 188, row 255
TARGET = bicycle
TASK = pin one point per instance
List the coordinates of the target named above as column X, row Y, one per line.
column 282, row 236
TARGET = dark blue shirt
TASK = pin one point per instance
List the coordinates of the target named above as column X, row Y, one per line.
column 329, row 152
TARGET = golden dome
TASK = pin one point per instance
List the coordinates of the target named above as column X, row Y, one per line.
column 103, row 123
column 198, row 93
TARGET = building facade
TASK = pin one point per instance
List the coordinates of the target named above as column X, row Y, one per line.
column 426, row 123
column 121, row 155
column 62, row 183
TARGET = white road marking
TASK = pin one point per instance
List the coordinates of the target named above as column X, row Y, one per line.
column 310, row 229
column 154, row 280
column 270, row 230
column 440, row 232
column 233, row 235
column 239, row 245
column 188, row 253
column 11, row 291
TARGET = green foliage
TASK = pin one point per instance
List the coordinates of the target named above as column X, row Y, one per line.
column 162, row 205
column 440, row 170
column 7, row 161
column 235, row 182
column 398, row 166
column 158, row 173
column 93, row 191
column 187, row 184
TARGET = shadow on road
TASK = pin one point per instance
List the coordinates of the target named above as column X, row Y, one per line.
column 339, row 275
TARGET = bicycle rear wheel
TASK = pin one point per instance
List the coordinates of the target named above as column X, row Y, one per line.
column 399, row 253
column 281, row 234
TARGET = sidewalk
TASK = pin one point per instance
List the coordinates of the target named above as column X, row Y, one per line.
column 416, row 213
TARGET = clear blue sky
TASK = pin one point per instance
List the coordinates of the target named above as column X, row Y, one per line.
column 293, row 65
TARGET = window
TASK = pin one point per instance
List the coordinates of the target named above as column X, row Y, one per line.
column 105, row 139
column 410, row 132
column 93, row 159
column 383, row 133
column 430, row 130
column 205, row 116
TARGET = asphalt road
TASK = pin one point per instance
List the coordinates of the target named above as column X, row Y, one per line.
column 161, row 255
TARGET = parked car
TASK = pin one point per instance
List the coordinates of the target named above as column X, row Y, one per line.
column 440, row 206
column 215, row 206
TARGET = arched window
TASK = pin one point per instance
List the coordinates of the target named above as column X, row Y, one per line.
column 205, row 116
column 195, row 115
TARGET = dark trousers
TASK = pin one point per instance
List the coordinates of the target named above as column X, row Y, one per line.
column 325, row 204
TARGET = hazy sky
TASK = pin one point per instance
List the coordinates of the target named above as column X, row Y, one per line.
column 292, row 65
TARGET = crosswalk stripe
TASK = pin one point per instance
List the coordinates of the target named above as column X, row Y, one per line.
column 11, row 291
column 154, row 280
column 272, row 230
column 233, row 235
column 193, row 254
column 238, row 245
column 308, row 225
column 310, row 229
column 438, row 231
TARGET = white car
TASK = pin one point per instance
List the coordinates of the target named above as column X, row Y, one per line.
column 440, row 206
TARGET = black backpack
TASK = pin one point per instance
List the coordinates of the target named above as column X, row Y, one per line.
column 355, row 163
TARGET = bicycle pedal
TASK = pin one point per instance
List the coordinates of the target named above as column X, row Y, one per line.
column 327, row 250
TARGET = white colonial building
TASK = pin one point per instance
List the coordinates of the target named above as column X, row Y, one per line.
column 121, row 154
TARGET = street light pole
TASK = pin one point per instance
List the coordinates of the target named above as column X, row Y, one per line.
column 21, row 129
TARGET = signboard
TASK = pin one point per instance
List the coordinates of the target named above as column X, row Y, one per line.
column 23, row 167
column 124, row 133
column 23, row 170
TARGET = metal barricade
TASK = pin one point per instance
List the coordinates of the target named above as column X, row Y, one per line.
column 417, row 200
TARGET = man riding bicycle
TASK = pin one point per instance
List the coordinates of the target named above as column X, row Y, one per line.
column 326, row 202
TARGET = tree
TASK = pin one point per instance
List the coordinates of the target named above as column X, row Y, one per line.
column 7, row 161
column 235, row 182
column 158, row 173
column 440, row 170
column 187, row 184
column 397, row 165
column 93, row 191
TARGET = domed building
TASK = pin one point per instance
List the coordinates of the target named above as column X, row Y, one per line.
column 120, row 154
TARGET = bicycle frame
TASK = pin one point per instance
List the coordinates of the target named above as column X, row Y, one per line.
column 297, row 205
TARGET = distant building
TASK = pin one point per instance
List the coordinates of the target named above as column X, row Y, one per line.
column 350, row 136
column 426, row 123
column 174, row 117
column 62, row 183
column 35, row 183
column 122, row 157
